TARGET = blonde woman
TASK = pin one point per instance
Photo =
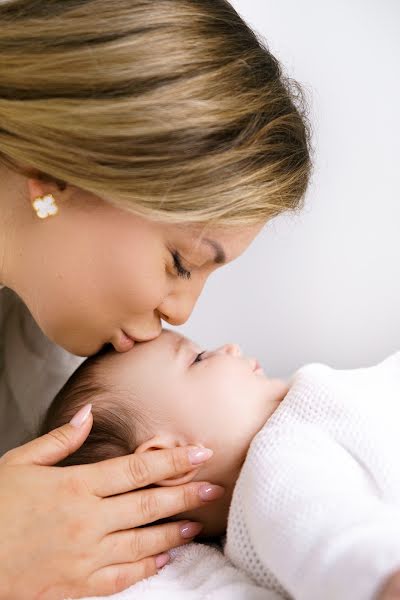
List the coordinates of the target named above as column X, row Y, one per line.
column 142, row 145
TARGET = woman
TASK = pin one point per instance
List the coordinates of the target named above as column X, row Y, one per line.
column 142, row 146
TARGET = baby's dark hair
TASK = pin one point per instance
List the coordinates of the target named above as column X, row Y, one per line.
column 116, row 422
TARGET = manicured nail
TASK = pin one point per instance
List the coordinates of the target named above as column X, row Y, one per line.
column 199, row 455
column 81, row 416
column 208, row 492
column 190, row 529
column 161, row 560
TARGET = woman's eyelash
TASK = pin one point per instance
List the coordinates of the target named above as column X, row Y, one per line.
column 198, row 357
column 180, row 269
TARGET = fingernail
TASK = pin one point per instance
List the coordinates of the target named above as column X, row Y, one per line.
column 81, row 416
column 199, row 455
column 190, row 529
column 208, row 492
column 161, row 560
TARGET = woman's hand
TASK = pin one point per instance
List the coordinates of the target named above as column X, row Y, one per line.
column 391, row 590
column 74, row 531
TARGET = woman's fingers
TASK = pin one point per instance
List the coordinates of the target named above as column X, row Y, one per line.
column 115, row 578
column 135, row 544
column 54, row 446
column 391, row 590
column 134, row 471
column 146, row 506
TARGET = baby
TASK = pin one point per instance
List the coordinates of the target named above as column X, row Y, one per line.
column 312, row 502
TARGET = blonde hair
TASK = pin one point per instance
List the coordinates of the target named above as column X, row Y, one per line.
column 173, row 109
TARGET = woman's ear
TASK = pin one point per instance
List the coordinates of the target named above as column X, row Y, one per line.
column 162, row 442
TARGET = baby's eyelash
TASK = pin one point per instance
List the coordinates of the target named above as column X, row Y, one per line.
column 198, row 359
column 180, row 269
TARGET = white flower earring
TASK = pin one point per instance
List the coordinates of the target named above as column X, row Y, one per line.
column 45, row 206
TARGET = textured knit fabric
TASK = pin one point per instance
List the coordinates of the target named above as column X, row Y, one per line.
column 32, row 370
column 315, row 513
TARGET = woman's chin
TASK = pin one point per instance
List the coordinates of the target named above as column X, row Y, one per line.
column 78, row 347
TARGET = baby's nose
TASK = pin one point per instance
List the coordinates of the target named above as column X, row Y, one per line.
column 232, row 349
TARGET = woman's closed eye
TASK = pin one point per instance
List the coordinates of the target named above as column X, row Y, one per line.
column 178, row 266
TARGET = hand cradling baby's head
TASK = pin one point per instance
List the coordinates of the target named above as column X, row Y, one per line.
column 169, row 392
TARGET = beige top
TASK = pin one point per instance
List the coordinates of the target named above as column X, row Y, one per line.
column 32, row 370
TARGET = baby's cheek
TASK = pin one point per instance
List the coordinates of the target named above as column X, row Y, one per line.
column 205, row 419
column 216, row 402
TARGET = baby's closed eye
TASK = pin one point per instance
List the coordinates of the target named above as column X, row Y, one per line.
column 198, row 357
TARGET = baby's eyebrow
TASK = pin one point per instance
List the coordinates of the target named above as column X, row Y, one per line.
column 178, row 345
column 182, row 351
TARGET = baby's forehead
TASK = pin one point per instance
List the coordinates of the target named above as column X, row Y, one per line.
column 168, row 341
column 166, row 345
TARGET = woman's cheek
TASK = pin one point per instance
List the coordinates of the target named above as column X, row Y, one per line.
column 144, row 285
column 127, row 293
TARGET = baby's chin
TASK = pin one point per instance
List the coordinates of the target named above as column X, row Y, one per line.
column 276, row 392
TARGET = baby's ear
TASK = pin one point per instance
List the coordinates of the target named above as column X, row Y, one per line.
column 162, row 442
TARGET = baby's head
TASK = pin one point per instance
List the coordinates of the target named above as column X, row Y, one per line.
column 167, row 393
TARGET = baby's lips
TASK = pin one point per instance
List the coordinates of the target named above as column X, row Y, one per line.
column 256, row 367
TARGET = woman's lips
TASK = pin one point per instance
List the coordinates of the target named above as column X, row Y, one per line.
column 122, row 342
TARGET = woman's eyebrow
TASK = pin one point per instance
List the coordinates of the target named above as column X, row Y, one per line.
column 220, row 256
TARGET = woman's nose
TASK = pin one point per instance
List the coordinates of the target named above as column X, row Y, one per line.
column 176, row 315
column 177, row 308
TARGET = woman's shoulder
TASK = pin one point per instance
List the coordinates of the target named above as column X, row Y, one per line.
column 32, row 367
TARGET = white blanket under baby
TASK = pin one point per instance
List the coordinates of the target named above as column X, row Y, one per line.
column 315, row 513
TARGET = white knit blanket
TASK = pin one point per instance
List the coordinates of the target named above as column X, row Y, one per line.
column 196, row 572
column 315, row 513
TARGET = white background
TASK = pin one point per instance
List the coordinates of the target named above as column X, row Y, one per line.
column 324, row 286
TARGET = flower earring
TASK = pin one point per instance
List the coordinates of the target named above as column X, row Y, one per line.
column 45, row 206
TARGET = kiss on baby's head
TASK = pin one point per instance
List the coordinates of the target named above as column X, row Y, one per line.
column 166, row 393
